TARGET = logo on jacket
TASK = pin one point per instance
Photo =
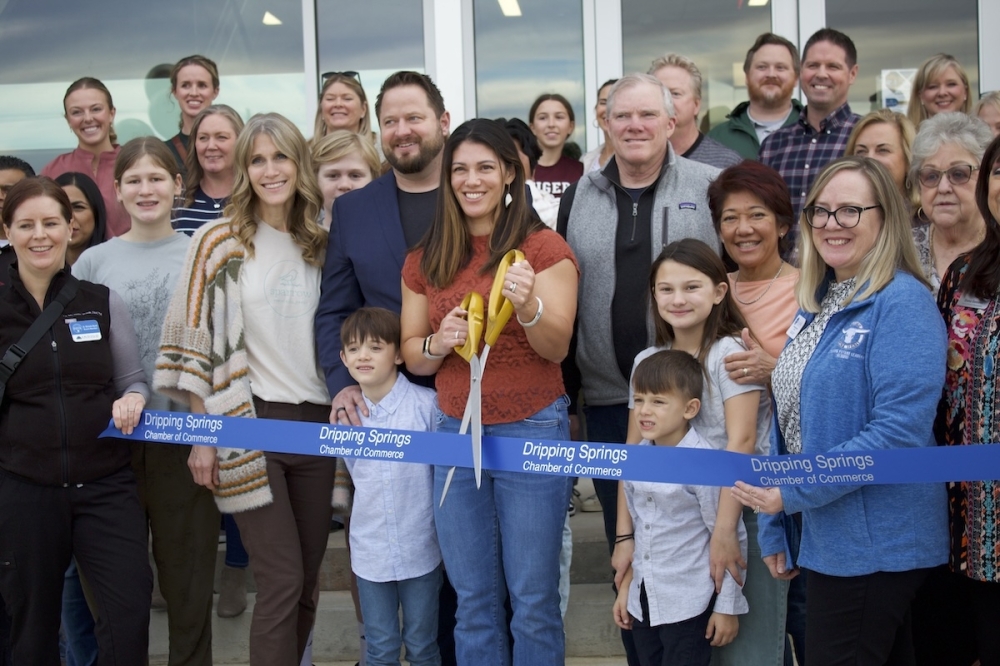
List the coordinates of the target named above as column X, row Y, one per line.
column 854, row 335
column 687, row 205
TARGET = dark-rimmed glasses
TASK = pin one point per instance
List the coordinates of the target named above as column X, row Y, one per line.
column 845, row 216
column 956, row 175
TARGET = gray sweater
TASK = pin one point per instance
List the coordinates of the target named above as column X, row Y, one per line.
column 680, row 210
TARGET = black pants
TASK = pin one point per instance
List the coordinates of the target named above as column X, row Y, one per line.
column 4, row 635
column 956, row 620
column 675, row 644
column 861, row 620
column 102, row 525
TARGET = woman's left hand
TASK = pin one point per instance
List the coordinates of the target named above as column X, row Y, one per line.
column 761, row 500
column 127, row 410
column 753, row 366
column 518, row 287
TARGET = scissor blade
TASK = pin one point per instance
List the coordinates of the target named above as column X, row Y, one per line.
column 467, row 416
column 476, row 400
column 447, row 484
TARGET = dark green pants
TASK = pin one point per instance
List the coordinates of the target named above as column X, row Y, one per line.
column 184, row 523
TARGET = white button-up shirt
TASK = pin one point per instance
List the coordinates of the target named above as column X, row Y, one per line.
column 392, row 519
column 673, row 527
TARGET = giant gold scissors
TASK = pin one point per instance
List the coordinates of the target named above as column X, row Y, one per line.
column 498, row 312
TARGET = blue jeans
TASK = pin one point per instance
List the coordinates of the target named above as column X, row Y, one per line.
column 77, row 621
column 380, row 604
column 506, row 537
column 236, row 554
column 761, row 640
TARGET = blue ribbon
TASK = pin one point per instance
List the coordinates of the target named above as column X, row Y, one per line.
column 662, row 464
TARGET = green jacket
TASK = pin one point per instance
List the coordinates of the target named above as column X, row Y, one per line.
column 737, row 131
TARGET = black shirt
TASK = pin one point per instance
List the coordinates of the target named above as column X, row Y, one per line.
column 416, row 214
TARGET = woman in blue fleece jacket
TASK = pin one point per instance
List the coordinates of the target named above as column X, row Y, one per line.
column 863, row 370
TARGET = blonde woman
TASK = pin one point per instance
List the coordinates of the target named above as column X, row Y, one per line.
column 343, row 105
column 865, row 312
column 258, row 272
column 987, row 109
column 887, row 137
column 940, row 86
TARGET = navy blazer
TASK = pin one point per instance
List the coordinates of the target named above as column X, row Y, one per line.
column 364, row 266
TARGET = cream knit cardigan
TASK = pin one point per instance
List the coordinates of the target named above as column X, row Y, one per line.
column 203, row 352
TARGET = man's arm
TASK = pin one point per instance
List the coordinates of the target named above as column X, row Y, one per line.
column 340, row 296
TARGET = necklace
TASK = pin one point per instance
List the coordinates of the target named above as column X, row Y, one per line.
column 763, row 293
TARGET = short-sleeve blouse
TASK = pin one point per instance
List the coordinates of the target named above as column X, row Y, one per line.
column 517, row 382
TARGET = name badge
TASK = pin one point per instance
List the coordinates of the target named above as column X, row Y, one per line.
column 972, row 301
column 85, row 331
column 796, row 326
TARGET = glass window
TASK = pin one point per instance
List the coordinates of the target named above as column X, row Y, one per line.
column 520, row 57
column 374, row 38
column 715, row 34
column 131, row 46
column 894, row 37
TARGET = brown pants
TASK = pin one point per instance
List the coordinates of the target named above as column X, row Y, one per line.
column 286, row 541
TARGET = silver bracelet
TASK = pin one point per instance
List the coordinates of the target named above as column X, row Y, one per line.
column 534, row 320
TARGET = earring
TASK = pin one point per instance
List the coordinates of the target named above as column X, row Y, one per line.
column 507, row 198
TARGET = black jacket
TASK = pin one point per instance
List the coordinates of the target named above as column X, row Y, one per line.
column 59, row 400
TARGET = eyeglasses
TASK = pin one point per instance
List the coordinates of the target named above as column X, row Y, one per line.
column 845, row 216
column 957, row 175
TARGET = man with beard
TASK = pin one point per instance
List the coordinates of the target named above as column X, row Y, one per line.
column 682, row 78
column 373, row 227
column 772, row 71
column 371, row 231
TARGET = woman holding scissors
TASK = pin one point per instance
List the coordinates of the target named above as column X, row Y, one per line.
column 506, row 535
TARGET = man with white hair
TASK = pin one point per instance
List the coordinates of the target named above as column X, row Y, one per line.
column 683, row 79
column 617, row 221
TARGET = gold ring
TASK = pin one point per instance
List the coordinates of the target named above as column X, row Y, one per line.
column 756, row 509
column 745, row 372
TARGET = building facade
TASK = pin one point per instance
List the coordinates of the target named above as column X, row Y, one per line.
column 490, row 57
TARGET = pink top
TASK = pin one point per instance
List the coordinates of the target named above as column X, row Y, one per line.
column 81, row 161
column 770, row 317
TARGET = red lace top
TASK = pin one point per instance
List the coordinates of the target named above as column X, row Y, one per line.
column 517, row 382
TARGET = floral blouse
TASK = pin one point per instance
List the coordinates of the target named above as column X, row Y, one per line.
column 970, row 414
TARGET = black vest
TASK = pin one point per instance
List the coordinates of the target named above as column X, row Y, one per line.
column 59, row 400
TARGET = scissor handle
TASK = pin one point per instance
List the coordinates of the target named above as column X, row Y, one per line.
column 500, row 308
column 473, row 305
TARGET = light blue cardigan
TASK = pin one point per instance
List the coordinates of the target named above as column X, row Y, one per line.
column 873, row 382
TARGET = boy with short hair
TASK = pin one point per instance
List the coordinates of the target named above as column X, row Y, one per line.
column 394, row 549
column 667, row 598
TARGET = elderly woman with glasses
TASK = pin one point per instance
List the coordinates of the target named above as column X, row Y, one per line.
column 946, row 156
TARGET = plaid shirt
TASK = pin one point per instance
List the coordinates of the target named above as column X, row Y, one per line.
column 798, row 152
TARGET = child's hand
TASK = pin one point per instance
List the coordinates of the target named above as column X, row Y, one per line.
column 621, row 559
column 722, row 629
column 620, row 609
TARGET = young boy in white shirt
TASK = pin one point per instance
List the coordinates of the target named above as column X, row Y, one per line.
column 667, row 598
column 394, row 549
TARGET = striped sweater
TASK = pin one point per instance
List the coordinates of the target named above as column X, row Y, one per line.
column 203, row 352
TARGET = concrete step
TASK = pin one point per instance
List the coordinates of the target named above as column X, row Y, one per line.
column 590, row 564
column 590, row 631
